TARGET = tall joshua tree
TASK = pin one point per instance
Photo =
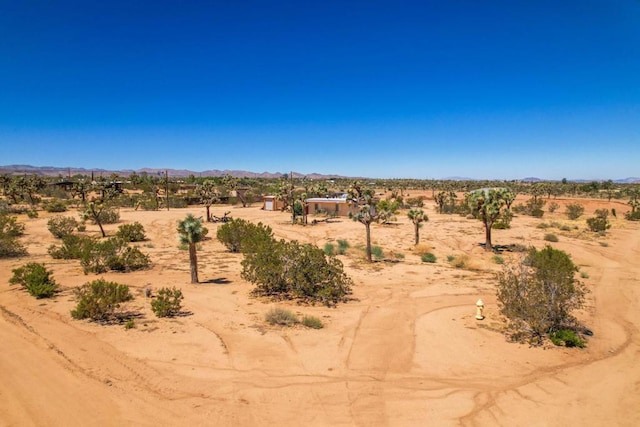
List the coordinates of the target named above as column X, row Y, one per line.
column 191, row 232
column 417, row 216
column 486, row 205
column 367, row 214
column 208, row 195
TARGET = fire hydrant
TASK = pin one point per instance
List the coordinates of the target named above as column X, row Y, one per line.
column 479, row 308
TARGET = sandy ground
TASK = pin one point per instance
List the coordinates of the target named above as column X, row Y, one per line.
column 406, row 352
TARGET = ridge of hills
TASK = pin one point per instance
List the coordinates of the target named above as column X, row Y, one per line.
column 69, row 171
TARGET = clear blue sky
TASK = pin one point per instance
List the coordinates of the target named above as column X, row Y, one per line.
column 424, row 89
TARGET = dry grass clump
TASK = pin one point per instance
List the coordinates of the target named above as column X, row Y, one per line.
column 422, row 248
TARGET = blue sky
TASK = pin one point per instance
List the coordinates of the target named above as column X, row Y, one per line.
column 405, row 89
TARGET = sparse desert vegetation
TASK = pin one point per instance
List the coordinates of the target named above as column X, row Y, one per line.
column 401, row 326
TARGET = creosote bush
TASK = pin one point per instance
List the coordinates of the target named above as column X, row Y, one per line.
column 290, row 270
column 167, row 303
column 36, row 279
column 312, row 322
column 10, row 230
column 574, row 210
column 567, row 338
column 55, row 205
column 428, row 257
column 239, row 235
column 112, row 254
column 599, row 223
column 72, row 247
column 281, row 317
column 61, row 226
column 538, row 294
column 550, row 237
column 100, row 300
column 131, row 232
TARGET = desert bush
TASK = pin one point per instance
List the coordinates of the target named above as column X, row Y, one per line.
column 290, row 270
column 61, row 226
column 343, row 245
column 550, row 237
column 36, row 279
column 130, row 324
column 428, row 257
column 574, row 210
column 613, row 212
column 10, row 227
column 10, row 230
column 415, row 202
column 239, row 235
column 72, row 247
column 112, row 254
column 377, row 252
column 99, row 300
column 532, row 207
column 498, row 259
column 538, row 294
column 632, row 215
column 504, row 221
column 553, row 206
column 167, row 303
column 108, row 215
column 32, row 213
column 460, row 261
column 281, row 317
column 312, row 322
column 543, row 225
column 55, row 205
column 131, row 232
column 329, row 249
column 566, row 337
column 600, row 222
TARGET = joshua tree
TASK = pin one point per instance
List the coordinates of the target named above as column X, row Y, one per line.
column 208, row 195
column 367, row 214
column 417, row 216
column 191, row 232
column 486, row 205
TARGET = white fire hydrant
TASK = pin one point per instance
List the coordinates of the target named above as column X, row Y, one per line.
column 479, row 308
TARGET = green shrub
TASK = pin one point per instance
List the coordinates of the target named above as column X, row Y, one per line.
column 99, row 300
column 553, row 206
column 168, row 302
column 567, row 337
column 376, row 252
column 61, row 226
column 55, row 205
column 584, row 274
column 565, row 228
column 32, row 213
column 72, row 247
column 112, row 254
column 498, row 259
column 428, row 257
column 131, row 232
column 550, row 237
column 632, row 215
column 538, row 295
column 239, row 235
column 130, row 324
column 290, row 270
column 329, row 249
column 36, row 279
column 10, row 230
column 10, row 227
column 450, row 258
column 312, row 322
column 343, row 245
column 574, row 210
column 543, row 225
column 108, row 215
column 281, row 317
column 600, row 222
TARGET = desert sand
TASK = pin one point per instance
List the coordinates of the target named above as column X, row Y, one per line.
column 406, row 351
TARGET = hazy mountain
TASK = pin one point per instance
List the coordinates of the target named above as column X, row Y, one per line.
column 66, row 171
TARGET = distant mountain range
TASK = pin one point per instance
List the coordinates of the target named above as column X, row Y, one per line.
column 70, row 171
column 55, row 171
